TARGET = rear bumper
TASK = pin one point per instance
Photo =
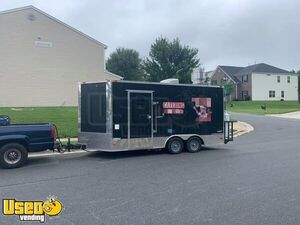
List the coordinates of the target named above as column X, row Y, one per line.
column 38, row 147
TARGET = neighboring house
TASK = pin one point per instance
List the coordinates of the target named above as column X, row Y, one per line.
column 199, row 76
column 42, row 60
column 258, row 82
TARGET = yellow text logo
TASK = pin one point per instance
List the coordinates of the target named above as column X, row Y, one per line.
column 31, row 210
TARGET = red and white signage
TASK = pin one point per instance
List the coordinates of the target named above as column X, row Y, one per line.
column 173, row 105
column 173, row 111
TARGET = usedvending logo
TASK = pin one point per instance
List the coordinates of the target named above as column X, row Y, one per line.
column 32, row 210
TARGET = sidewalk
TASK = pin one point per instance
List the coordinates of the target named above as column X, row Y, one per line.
column 291, row 115
column 241, row 128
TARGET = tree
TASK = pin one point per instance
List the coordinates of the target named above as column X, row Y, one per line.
column 126, row 63
column 169, row 59
column 228, row 88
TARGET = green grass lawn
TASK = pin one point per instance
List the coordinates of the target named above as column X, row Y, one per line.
column 273, row 107
column 65, row 118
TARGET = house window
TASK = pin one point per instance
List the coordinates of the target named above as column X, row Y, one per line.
column 245, row 78
column 278, row 79
column 271, row 94
column 289, row 79
column 282, row 94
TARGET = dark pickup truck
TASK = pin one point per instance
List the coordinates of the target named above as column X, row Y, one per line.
column 17, row 140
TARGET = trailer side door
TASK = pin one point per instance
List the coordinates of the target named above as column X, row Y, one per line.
column 140, row 118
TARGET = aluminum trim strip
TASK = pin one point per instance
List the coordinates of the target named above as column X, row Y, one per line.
column 139, row 91
column 105, row 142
column 109, row 113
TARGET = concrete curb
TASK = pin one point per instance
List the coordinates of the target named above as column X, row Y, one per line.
column 290, row 115
column 242, row 128
column 66, row 139
column 50, row 153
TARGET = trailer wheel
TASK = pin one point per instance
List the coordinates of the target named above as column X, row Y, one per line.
column 175, row 145
column 194, row 144
column 13, row 155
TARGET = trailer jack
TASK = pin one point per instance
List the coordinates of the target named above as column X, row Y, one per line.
column 69, row 146
column 228, row 131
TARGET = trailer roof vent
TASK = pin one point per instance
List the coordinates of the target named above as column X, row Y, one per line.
column 170, row 81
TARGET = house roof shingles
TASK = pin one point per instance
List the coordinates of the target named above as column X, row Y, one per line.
column 261, row 68
column 233, row 71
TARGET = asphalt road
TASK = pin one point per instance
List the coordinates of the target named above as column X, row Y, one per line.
column 255, row 180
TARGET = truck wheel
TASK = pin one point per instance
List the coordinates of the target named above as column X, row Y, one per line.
column 175, row 145
column 194, row 144
column 13, row 155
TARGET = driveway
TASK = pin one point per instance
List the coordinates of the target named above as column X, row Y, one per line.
column 254, row 180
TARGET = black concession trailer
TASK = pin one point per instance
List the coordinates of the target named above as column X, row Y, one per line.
column 125, row 115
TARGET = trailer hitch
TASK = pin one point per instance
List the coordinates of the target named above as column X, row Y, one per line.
column 61, row 148
column 69, row 146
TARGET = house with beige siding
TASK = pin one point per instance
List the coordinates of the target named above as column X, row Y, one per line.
column 42, row 59
column 258, row 82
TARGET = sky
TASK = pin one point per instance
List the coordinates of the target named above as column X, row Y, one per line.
column 226, row 32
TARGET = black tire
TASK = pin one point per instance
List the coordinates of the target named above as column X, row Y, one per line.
column 13, row 155
column 194, row 144
column 175, row 145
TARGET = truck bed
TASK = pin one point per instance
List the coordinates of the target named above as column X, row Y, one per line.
column 36, row 137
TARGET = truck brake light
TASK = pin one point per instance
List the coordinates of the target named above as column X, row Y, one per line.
column 53, row 132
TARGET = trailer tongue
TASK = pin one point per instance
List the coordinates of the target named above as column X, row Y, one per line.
column 123, row 115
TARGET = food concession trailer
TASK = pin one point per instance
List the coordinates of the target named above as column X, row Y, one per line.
column 126, row 115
